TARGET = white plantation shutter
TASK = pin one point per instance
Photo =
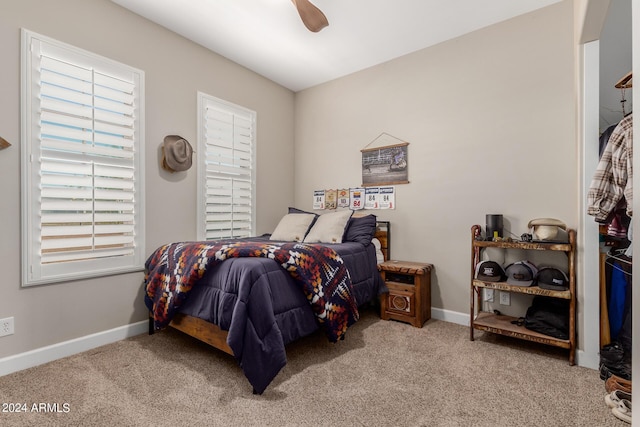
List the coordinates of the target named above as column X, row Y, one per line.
column 226, row 182
column 82, row 164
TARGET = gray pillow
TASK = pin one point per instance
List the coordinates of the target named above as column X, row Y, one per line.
column 361, row 229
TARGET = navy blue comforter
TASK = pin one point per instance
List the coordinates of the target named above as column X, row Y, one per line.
column 263, row 308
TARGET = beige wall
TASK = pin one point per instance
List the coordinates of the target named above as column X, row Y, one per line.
column 175, row 70
column 490, row 117
column 491, row 122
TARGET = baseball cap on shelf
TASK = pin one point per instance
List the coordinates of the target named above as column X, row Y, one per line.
column 490, row 271
column 553, row 279
column 521, row 273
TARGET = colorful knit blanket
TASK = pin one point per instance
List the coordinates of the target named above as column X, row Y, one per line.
column 173, row 269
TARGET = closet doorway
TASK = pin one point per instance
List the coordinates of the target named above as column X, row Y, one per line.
column 605, row 61
column 615, row 103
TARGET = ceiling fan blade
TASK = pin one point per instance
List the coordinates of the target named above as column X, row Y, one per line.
column 312, row 17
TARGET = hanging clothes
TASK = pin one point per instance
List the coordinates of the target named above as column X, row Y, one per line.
column 618, row 224
column 604, row 139
column 625, row 335
column 618, row 299
column 613, row 178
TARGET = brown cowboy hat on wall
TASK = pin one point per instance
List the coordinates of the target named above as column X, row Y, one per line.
column 177, row 153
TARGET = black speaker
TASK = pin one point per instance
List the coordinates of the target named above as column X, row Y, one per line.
column 494, row 225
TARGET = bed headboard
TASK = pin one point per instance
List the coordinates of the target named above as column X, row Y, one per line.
column 383, row 234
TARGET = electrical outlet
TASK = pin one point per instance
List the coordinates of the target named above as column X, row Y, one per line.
column 505, row 298
column 488, row 295
column 6, row 326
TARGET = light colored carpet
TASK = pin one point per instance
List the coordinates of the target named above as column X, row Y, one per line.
column 385, row 373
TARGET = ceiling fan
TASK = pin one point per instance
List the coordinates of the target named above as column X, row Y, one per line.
column 312, row 17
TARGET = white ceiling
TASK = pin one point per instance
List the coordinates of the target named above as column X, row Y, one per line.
column 268, row 37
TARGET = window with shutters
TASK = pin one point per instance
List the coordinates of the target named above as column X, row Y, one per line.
column 226, row 165
column 82, row 163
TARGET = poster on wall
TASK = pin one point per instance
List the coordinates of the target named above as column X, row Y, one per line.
column 330, row 199
column 380, row 198
column 387, row 198
column 343, row 198
column 385, row 165
column 371, row 197
column 356, row 196
column 318, row 199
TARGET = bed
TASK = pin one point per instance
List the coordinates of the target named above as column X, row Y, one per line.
column 251, row 297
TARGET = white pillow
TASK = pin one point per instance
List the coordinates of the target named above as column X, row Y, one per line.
column 379, row 254
column 292, row 227
column 329, row 228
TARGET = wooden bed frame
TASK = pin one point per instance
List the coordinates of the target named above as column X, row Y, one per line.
column 214, row 336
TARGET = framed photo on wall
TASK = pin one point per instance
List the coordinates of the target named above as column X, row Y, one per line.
column 387, row 165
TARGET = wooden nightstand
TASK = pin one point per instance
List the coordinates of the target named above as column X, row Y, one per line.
column 409, row 297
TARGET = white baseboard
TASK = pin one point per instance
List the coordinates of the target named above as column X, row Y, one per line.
column 53, row 352
column 450, row 316
column 588, row 360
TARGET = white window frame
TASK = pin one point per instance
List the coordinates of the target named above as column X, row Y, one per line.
column 225, row 210
column 112, row 218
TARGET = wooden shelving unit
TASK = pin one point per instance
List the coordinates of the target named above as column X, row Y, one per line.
column 501, row 324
